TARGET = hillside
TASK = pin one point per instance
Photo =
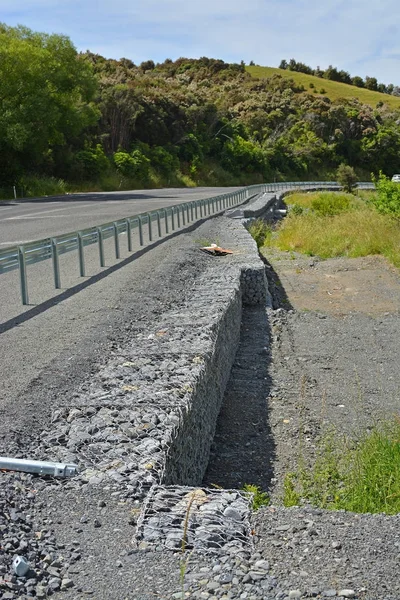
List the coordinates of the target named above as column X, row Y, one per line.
column 334, row 90
column 102, row 124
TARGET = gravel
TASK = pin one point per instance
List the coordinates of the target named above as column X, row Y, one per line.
column 81, row 537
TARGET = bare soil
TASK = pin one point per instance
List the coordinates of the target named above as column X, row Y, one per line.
column 335, row 343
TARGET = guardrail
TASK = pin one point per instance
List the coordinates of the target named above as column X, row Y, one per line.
column 173, row 217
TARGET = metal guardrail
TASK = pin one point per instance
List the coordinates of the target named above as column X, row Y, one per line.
column 19, row 257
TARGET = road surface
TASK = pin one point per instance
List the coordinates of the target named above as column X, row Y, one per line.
column 29, row 220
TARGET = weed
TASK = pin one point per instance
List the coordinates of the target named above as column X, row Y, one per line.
column 337, row 225
column 260, row 498
column 260, row 231
column 360, row 476
column 290, row 495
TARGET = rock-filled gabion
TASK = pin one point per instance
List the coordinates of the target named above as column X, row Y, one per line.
column 149, row 415
column 182, row 518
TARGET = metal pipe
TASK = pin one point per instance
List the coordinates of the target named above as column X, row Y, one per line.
column 38, row 466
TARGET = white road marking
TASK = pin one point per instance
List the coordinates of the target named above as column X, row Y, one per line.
column 44, row 212
column 18, row 242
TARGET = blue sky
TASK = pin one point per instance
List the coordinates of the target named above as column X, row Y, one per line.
column 360, row 36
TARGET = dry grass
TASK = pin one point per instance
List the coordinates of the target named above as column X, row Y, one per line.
column 334, row 89
column 357, row 231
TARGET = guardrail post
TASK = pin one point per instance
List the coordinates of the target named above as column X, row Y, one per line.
column 166, row 220
column 191, row 211
column 196, row 216
column 81, row 254
column 129, row 234
column 101, row 247
column 56, row 264
column 183, row 215
column 116, row 240
column 201, row 208
column 140, row 228
column 22, row 275
column 178, row 217
column 159, row 224
column 172, row 218
column 150, row 227
column 188, row 212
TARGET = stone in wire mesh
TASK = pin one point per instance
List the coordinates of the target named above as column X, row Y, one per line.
column 199, row 519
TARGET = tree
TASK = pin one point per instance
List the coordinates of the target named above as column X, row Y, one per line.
column 45, row 98
column 347, row 177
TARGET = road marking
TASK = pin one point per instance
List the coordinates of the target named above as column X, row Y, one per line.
column 22, row 217
column 17, row 243
column 44, row 212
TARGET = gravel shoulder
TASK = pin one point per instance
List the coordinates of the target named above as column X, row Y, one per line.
column 322, row 358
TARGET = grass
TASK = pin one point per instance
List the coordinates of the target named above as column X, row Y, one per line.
column 328, row 225
column 361, row 476
column 333, row 89
column 260, row 498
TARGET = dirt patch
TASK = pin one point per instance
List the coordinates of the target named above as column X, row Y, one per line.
column 335, row 343
column 338, row 286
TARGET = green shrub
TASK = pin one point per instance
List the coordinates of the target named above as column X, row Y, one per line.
column 347, row 177
column 387, row 199
column 135, row 164
column 330, row 204
column 36, row 186
column 90, row 163
column 165, row 162
column 260, row 498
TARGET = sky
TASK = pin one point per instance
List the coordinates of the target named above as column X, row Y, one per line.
column 359, row 36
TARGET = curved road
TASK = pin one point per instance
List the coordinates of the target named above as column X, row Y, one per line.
column 22, row 221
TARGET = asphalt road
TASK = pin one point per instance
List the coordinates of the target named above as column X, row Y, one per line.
column 28, row 220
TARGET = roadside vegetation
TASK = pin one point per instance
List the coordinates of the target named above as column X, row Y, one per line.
column 75, row 122
column 360, row 475
column 331, row 224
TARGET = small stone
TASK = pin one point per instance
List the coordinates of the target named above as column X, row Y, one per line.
column 347, row 593
column 232, row 513
column 96, row 523
column 295, row 594
column 66, row 583
column 329, row 593
column 336, row 545
column 212, row 585
column 54, row 584
column 40, row 591
column 262, row 565
column 225, row 578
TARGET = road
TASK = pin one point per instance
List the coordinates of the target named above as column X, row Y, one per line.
column 28, row 220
